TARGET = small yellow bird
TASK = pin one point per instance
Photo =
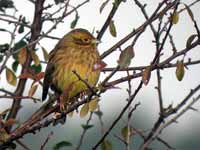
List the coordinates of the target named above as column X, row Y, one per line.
column 72, row 59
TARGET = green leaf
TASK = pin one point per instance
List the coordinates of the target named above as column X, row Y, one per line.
column 62, row 144
column 103, row 5
column 15, row 65
column 1, row 58
column 112, row 28
column 180, row 70
column 106, row 145
column 36, row 68
column 86, row 127
column 74, row 22
column 99, row 113
column 190, row 40
column 58, row 1
column 21, row 29
column 126, row 57
column 4, row 4
column 4, row 47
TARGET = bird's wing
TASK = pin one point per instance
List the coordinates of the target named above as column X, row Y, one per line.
column 47, row 79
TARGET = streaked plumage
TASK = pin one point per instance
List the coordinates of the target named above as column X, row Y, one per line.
column 76, row 51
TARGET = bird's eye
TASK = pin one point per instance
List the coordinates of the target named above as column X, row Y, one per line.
column 86, row 40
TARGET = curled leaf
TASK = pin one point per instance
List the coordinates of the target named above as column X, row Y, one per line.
column 189, row 12
column 45, row 54
column 146, row 74
column 10, row 77
column 103, row 5
column 175, row 17
column 22, row 55
column 180, row 70
column 126, row 57
column 112, row 29
column 32, row 90
column 74, row 22
column 190, row 40
column 84, row 110
column 35, row 58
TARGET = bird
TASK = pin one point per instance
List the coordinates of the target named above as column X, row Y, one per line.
column 71, row 65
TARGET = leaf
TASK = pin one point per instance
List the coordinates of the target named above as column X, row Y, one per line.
column 112, row 28
column 99, row 113
column 84, row 110
column 32, row 90
column 146, row 74
column 190, row 40
column 35, row 58
column 62, row 144
column 126, row 57
column 36, row 68
column 86, row 127
column 99, row 65
column 103, row 5
column 45, row 54
column 22, row 55
column 39, row 76
column 175, row 17
column 125, row 132
column 15, row 65
column 106, row 145
column 58, row 1
column 10, row 76
column 21, row 29
column 25, row 76
column 74, row 22
column 93, row 104
column 180, row 70
column 189, row 12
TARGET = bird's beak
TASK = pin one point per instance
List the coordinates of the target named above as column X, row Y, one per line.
column 96, row 41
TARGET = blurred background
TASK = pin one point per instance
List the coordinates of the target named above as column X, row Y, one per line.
column 183, row 135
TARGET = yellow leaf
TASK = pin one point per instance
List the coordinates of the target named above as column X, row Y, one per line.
column 45, row 54
column 32, row 90
column 125, row 132
column 175, row 17
column 84, row 110
column 146, row 74
column 10, row 77
column 93, row 104
column 35, row 58
column 22, row 56
column 180, row 70
column 112, row 28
